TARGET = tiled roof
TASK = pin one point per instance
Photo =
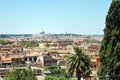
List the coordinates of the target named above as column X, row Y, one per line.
column 33, row 54
column 6, row 58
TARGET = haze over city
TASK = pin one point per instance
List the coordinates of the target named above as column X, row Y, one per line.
column 55, row 16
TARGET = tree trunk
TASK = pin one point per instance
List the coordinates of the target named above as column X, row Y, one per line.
column 78, row 78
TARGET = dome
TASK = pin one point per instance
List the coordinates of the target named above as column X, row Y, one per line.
column 42, row 31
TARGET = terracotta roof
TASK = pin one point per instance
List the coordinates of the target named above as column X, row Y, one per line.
column 7, row 61
column 6, row 58
column 17, row 56
column 93, row 47
column 33, row 54
column 3, row 51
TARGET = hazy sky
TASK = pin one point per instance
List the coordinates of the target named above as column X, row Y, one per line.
column 55, row 16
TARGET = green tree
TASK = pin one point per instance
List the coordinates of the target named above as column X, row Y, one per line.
column 28, row 43
column 110, row 47
column 47, row 44
column 79, row 63
column 56, row 71
column 21, row 74
column 4, row 42
column 54, row 78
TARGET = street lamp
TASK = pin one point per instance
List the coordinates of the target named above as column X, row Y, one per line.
column 107, row 77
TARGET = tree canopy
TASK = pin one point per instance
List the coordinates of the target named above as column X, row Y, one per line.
column 4, row 42
column 28, row 44
column 54, row 78
column 21, row 74
column 110, row 47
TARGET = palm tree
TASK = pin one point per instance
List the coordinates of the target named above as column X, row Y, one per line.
column 78, row 63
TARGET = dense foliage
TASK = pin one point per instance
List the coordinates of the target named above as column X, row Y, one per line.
column 56, row 71
column 53, row 69
column 28, row 44
column 110, row 47
column 79, row 64
column 54, row 78
column 4, row 42
column 21, row 74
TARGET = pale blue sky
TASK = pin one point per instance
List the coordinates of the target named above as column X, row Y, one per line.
column 55, row 16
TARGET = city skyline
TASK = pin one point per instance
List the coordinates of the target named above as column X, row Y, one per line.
column 55, row 16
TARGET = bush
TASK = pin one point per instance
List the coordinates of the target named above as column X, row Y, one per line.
column 28, row 44
column 4, row 42
column 21, row 74
column 54, row 78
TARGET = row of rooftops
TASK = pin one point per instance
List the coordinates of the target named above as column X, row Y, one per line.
column 7, row 52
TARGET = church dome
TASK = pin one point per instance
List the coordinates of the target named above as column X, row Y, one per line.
column 42, row 31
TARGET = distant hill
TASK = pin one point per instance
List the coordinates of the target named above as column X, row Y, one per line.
column 14, row 35
column 94, row 35
column 67, row 35
column 28, row 35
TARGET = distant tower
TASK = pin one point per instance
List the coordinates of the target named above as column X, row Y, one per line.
column 42, row 31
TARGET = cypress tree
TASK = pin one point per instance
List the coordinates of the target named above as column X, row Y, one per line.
column 110, row 46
